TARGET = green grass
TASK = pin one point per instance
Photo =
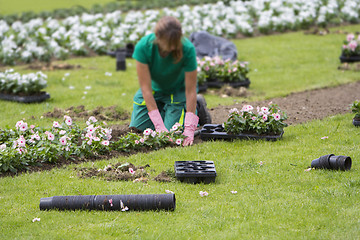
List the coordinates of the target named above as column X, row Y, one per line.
column 276, row 200
column 11, row 7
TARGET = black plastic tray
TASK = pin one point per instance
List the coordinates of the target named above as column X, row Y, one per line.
column 25, row 99
column 216, row 132
column 349, row 59
column 356, row 122
column 195, row 171
column 214, row 83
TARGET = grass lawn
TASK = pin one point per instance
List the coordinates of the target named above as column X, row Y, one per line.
column 275, row 200
column 11, row 7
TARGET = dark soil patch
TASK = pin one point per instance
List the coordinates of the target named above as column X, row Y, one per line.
column 52, row 66
column 349, row 67
column 304, row 106
column 112, row 113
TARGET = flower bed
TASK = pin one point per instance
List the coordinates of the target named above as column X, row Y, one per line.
column 23, row 88
column 215, row 72
column 267, row 123
column 26, row 145
column 351, row 49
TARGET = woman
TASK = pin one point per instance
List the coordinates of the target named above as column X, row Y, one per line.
column 166, row 68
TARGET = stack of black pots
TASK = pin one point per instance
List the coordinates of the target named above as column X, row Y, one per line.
column 332, row 162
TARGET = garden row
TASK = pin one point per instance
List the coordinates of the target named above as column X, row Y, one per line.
column 78, row 35
column 26, row 145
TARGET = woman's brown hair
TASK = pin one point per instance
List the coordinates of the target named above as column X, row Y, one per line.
column 169, row 33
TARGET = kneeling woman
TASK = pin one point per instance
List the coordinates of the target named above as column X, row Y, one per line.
column 166, row 68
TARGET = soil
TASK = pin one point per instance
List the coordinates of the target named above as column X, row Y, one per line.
column 112, row 113
column 52, row 66
column 304, row 106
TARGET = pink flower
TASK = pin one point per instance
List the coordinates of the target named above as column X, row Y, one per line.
column 229, row 70
column 147, row 131
column 137, row 142
column 23, row 127
column 111, row 202
column 68, row 121
column 207, row 68
column 178, row 141
column 131, row 171
column 325, row 137
column 242, row 65
column 265, row 110
column 92, row 119
column 261, row 163
column 170, row 139
column 19, row 123
column 203, row 194
column 353, row 45
column 142, row 140
column 265, row 117
column 212, row 64
column 51, row 136
column 32, row 126
column 63, row 140
column 153, row 134
column 234, row 69
column 62, row 132
column 21, row 141
column 253, row 118
column 105, row 143
column 56, row 124
column 96, row 139
column 233, row 110
column 89, row 142
column 350, row 37
column 345, row 46
column 47, row 132
column 276, row 116
column 198, row 69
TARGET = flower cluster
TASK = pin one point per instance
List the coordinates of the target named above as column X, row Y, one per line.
column 25, row 145
column 355, row 108
column 351, row 46
column 222, row 70
column 44, row 39
column 266, row 120
column 14, row 83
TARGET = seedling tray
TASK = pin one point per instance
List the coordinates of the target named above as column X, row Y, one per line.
column 25, row 99
column 349, row 59
column 214, row 83
column 217, row 132
column 195, row 171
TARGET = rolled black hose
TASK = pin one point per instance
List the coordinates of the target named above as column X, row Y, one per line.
column 110, row 202
column 332, row 162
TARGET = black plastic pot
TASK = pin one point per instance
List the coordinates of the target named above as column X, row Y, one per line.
column 110, row 202
column 332, row 162
column 121, row 60
column 356, row 122
column 25, row 99
column 217, row 132
column 202, row 87
column 215, row 83
column 129, row 50
column 195, row 171
column 349, row 59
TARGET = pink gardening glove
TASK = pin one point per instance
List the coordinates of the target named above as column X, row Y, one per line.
column 191, row 122
column 156, row 119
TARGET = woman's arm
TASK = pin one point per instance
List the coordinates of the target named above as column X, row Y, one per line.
column 144, row 77
column 190, row 91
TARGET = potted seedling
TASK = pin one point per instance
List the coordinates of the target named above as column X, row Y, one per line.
column 355, row 108
column 351, row 49
column 25, row 88
column 248, row 123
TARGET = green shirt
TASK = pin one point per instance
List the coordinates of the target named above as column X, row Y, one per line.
column 166, row 76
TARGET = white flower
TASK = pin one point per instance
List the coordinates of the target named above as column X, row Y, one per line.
column 203, row 194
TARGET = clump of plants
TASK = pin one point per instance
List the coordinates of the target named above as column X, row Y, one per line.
column 27, row 144
column 12, row 82
column 262, row 120
column 351, row 46
column 355, row 108
column 221, row 70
